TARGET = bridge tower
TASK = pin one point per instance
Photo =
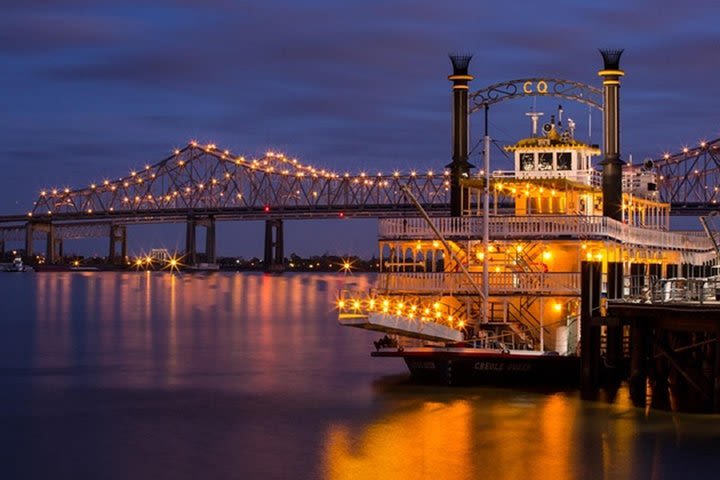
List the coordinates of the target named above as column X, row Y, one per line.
column 274, row 250
column 460, row 167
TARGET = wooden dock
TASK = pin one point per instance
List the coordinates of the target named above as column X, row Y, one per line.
column 663, row 340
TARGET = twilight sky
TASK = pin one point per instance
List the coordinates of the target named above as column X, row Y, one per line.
column 95, row 88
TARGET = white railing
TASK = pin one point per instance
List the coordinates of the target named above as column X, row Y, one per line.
column 417, row 228
column 585, row 177
column 501, row 283
column 633, row 180
column 543, row 226
column 678, row 290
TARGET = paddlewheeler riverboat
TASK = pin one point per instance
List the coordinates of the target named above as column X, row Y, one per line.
column 492, row 294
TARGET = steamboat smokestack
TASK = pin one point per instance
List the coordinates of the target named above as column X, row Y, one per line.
column 460, row 167
column 611, row 164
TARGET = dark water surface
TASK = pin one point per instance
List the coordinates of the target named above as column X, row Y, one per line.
column 154, row 376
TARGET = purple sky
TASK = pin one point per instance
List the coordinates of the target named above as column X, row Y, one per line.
column 96, row 88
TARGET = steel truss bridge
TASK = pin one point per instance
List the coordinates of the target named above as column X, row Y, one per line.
column 202, row 184
column 690, row 178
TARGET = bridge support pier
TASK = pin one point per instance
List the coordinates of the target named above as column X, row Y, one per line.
column 191, row 253
column 50, row 253
column 190, row 249
column 118, row 235
column 274, row 251
column 29, row 234
column 210, row 240
column 51, row 243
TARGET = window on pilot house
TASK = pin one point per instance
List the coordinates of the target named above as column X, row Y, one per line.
column 545, row 161
column 527, row 162
column 564, row 161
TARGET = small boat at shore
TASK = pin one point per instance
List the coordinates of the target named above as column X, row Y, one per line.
column 17, row 266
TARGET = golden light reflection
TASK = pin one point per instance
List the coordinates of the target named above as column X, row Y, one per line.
column 408, row 444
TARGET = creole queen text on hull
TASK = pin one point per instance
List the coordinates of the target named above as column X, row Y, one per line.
column 491, row 294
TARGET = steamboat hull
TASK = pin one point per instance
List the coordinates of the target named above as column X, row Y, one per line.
column 471, row 367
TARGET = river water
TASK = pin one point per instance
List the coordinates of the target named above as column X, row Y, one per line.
column 131, row 375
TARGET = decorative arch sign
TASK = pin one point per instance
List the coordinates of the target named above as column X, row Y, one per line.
column 537, row 87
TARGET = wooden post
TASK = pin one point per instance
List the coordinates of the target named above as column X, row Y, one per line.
column 590, row 285
column 638, row 360
column 614, row 353
column 716, row 379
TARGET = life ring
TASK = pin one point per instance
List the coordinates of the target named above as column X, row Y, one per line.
column 542, row 265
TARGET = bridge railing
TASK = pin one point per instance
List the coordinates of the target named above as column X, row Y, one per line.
column 500, row 283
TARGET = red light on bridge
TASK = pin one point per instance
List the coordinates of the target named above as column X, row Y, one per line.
column 342, row 215
column 267, row 208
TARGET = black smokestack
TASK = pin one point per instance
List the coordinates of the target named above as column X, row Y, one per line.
column 611, row 164
column 460, row 167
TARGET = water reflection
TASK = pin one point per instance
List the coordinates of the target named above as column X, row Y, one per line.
column 152, row 375
column 151, row 329
column 488, row 433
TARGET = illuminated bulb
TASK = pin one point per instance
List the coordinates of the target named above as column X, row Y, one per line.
column 547, row 255
column 557, row 307
column 436, row 305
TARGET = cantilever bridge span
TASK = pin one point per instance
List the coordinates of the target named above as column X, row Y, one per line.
column 201, row 184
